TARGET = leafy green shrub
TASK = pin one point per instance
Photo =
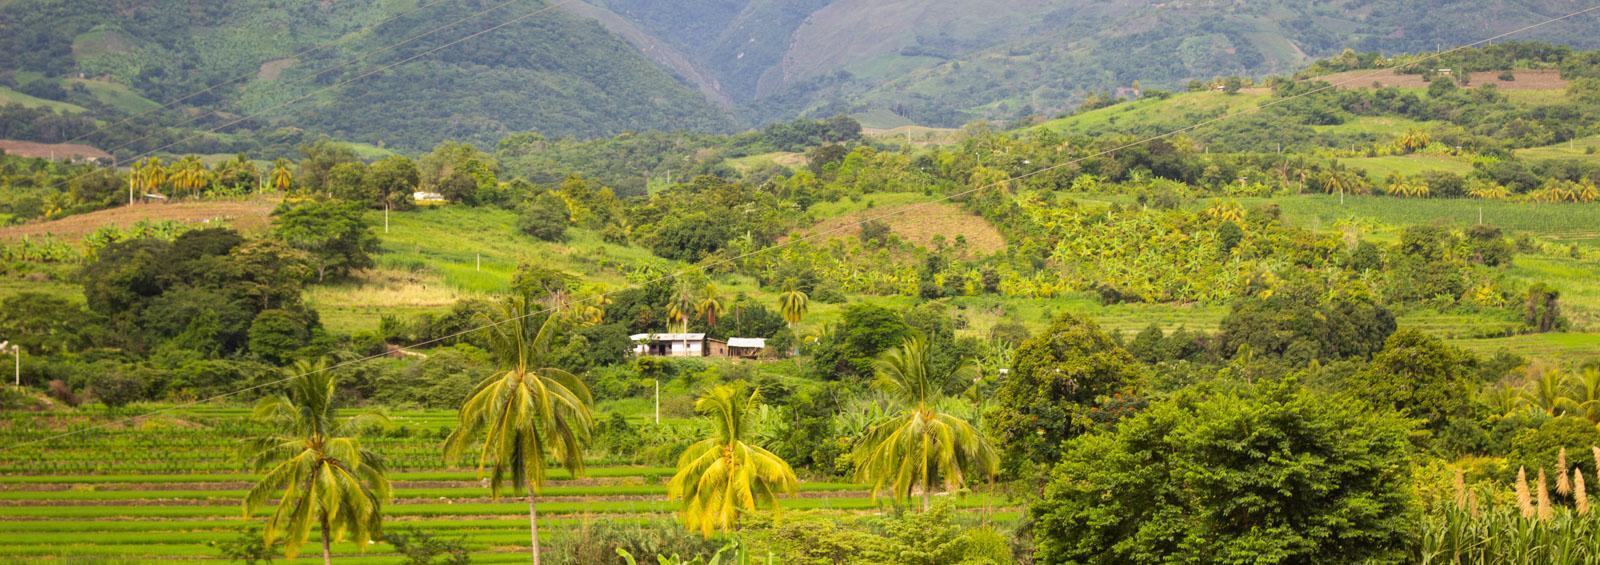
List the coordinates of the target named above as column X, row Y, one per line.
column 598, row 542
column 1268, row 473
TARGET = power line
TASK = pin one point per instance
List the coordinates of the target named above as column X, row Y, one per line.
column 897, row 211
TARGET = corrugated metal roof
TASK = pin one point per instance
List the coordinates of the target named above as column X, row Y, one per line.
column 750, row 342
column 667, row 337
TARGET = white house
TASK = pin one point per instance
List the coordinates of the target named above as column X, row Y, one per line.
column 677, row 345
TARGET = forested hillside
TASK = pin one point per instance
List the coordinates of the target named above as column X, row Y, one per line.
column 946, row 62
column 401, row 74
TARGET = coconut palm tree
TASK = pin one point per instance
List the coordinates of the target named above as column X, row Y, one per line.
column 319, row 473
column 710, row 307
column 793, row 303
column 527, row 415
column 152, row 175
column 282, row 177
column 920, row 445
column 725, row 475
column 681, row 305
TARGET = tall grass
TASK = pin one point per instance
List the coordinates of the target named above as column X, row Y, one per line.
column 1481, row 526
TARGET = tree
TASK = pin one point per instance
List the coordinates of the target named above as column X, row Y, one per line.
column 921, row 445
column 1269, row 473
column 333, row 233
column 323, row 475
column 318, row 163
column 459, row 171
column 709, row 307
column 1059, row 381
column 1542, row 309
column 726, row 475
column 528, row 413
column 394, row 178
column 282, row 177
column 792, row 304
column 545, row 217
column 1420, row 376
column 852, row 348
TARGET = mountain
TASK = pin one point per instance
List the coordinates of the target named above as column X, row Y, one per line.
column 594, row 68
column 364, row 70
column 946, row 62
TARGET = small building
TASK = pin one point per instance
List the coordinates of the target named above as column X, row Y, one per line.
column 746, row 347
column 421, row 196
column 678, row 345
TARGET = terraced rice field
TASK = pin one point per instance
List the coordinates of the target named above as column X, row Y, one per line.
column 162, row 488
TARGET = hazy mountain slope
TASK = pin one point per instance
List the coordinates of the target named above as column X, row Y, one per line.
column 554, row 72
column 945, row 62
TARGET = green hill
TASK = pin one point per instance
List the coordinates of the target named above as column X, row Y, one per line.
column 551, row 72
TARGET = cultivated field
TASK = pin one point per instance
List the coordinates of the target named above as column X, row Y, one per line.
column 162, row 488
column 247, row 215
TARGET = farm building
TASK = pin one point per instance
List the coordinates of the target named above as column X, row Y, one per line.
column 696, row 345
column 746, row 347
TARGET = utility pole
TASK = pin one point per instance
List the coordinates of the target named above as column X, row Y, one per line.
column 658, row 402
column 480, row 261
column 385, row 215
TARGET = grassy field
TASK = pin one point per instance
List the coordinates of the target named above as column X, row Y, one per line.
column 1373, row 125
column 1377, row 168
column 8, row 96
column 1586, row 148
column 785, row 159
column 1181, row 109
column 118, row 96
column 1569, row 223
column 163, row 489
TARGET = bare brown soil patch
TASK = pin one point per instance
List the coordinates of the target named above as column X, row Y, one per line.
column 243, row 215
column 1525, row 80
column 271, row 70
column 55, row 151
column 918, row 224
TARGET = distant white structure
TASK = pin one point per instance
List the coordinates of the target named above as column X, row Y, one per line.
column 421, row 196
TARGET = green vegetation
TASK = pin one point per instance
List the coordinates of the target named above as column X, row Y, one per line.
column 1068, row 346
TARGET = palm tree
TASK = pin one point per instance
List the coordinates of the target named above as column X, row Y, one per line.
column 722, row 476
column 920, row 445
column 1582, row 396
column 681, row 305
column 281, row 176
column 152, row 175
column 792, row 303
column 322, row 474
column 527, row 414
column 710, row 305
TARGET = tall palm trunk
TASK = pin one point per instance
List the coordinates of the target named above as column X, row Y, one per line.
column 533, row 525
column 327, row 536
column 927, row 476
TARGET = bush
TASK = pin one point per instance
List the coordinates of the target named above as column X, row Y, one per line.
column 119, row 388
column 1270, row 473
column 598, row 542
